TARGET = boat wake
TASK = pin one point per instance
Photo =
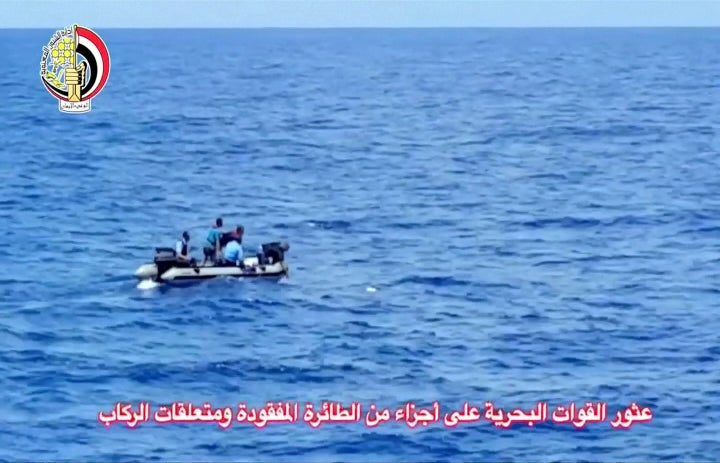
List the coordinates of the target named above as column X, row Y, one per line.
column 145, row 285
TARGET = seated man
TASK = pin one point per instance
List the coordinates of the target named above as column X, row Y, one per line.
column 234, row 252
column 182, row 249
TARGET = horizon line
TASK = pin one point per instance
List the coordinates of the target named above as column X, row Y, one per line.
column 715, row 26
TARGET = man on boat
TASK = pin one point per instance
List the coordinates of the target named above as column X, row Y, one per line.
column 211, row 250
column 234, row 252
column 182, row 249
column 232, row 235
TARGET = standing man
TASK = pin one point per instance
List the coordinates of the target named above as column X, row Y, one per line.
column 211, row 250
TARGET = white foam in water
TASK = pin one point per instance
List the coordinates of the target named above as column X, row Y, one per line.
column 370, row 289
column 147, row 284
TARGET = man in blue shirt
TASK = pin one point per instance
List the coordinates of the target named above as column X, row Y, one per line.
column 211, row 250
column 234, row 252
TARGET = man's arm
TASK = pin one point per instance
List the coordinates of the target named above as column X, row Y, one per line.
column 241, row 257
column 178, row 251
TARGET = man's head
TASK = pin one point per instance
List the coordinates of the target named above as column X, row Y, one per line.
column 240, row 230
column 219, row 222
column 186, row 236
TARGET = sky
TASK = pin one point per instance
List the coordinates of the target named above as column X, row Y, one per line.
column 357, row 13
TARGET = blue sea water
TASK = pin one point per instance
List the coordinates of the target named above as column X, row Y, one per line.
column 537, row 212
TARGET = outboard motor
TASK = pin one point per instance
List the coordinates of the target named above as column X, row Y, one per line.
column 165, row 254
column 273, row 252
column 165, row 259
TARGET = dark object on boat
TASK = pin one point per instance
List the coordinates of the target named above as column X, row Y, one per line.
column 273, row 252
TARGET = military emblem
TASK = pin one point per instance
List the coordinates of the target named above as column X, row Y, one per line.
column 75, row 68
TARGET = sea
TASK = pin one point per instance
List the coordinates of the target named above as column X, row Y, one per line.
column 490, row 217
